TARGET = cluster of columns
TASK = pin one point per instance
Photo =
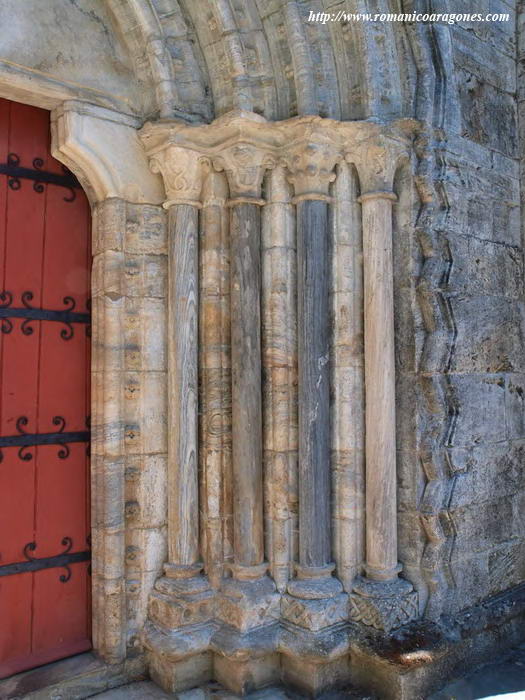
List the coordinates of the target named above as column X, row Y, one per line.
column 235, row 153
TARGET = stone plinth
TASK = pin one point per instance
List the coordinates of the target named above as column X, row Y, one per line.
column 245, row 644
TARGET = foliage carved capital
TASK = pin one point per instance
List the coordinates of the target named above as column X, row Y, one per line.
column 182, row 171
column 244, row 164
column 377, row 160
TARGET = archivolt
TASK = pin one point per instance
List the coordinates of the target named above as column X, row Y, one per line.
column 208, row 57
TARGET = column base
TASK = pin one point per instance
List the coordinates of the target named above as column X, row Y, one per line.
column 315, row 599
column 179, row 628
column 314, row 640
column 245, row 643
column 384, row 605
column 181, row 597
column 177, row 676
column 248, row 601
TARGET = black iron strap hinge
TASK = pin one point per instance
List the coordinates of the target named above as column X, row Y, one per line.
column 15, row 173
column 24, row 440
column 62, row 560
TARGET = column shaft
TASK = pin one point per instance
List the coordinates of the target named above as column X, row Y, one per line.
column 381, row 518
column 279, row 312
column 314, row 396
column 183, row 507
column 245, row 232
column 348, row 381
column 215, row 380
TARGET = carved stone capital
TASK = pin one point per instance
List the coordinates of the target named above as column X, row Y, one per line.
column 244, row 164
column 182, row 172
column 377, row 160
column 311, row 168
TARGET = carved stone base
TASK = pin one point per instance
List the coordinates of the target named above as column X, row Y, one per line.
column 315, row 599
column 176, row 602
column 314, row 638
column 245, row 643
column 179, row 628
column 384, row 605
column 247, row 604
column 245, row 662
column 314, row 615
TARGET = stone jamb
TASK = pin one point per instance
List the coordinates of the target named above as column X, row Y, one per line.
column 96, row 138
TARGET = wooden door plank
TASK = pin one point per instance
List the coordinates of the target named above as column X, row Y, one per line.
column 44, row 250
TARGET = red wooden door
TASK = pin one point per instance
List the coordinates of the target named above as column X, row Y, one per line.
column 44, row 398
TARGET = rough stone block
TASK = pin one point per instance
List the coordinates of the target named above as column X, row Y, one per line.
column 495, row 269
column 481, row 418
column 146, row 275
column 246, row 676
column 483, row 473
column 146, row 484
column 515, row 406
column 175, row 676
column 489, row 335
column 480, row 528
column 482, row 105
column 146, row 549
column 146, row 229
column 313, row 677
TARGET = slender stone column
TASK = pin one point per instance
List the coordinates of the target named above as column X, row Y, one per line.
column 244, row 166
column 381, row 515
column 182, row 171
column 315, row 599
column 314, row 400
column 245, row 236
column 280, row 375
column 381, row 599
column 311, row 168
column 348, row 405
column 182, row 598
column 215, row 384
column 248, row 602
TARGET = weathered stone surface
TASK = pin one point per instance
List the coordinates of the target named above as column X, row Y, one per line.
column 247, row 604
column 451, row 457
column 313, row 615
